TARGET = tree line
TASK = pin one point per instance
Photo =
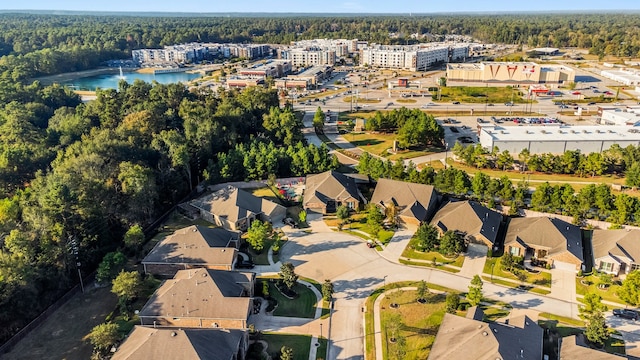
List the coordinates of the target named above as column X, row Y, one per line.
column 615, row 160
column 36, row 44
column 413, row 126
column 589, row 202
column 76, row 176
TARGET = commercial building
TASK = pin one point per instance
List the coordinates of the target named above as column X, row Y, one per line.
column 619, row 117
column 510, row 73
column 308, row 78
column 414, row 57
column 558, row 139
column 271, row 68
column 625, row 76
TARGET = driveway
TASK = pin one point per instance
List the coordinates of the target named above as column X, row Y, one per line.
column 563, row 284
column 474, row 260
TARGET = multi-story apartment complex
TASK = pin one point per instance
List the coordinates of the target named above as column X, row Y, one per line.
column 193, row 52
column 414, row 57
column 310, row 56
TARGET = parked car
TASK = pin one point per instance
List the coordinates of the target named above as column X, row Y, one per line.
column 509, row 104
column 456, row 103
column 626, row 313
column 371, row 244
column 489, row 104
column 591, row 103
column 244, row 264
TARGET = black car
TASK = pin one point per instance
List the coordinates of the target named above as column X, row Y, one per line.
column 456, row 103
column 626, row 313
column 244, row 265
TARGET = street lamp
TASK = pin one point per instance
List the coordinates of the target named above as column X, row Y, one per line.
column 320, row 330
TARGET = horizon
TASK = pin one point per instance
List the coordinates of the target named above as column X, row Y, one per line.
column 342, row 7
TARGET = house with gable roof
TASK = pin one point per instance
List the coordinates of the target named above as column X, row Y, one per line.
column 415, row 202
column 326, row 191
column 478, row 224
column 616, row 252
column 201, row 298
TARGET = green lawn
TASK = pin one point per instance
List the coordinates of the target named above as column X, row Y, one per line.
column 326, row 306
column 361, row 100
column 327, row 142
column 299, row 343
column 420, row 323
column 378, row 144
column 303, row 306
column 608, row 294
column 410, row 253
column 429, row 264
column 480, row 94
column 541, row 279
column 359, row 222
column 267, row 193
column 516, row 284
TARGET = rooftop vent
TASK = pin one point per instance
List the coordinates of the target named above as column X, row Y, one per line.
column 173, row 333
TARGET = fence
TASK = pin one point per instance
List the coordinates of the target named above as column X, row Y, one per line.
column 7, row 346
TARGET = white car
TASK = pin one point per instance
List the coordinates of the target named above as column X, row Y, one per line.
column 425, row 106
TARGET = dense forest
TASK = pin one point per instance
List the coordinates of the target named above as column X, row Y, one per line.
column 74, row 177
column 33, row 45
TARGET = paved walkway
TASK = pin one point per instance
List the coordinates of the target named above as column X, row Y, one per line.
column 474, row 261
column 398, row 243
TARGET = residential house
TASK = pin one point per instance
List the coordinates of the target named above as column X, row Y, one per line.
column 575, row 347
column 195, row 246
column 477, row 223
column 470, row 338
column 415, row 203
column 147, row 343
column 616, row 252
column 235, row 209
column 548, row 239
column 201, row 298
column 326, row 191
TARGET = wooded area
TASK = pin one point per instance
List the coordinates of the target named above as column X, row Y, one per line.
column 75, row 176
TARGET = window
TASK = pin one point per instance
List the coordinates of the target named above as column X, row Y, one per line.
column 351, row 204
column 514, row 251
column 635, row 267
column 605, row 266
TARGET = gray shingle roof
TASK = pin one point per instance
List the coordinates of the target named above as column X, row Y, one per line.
column 554, row 235
column 412, row 199
column 234, row 204
column 469, row 217
column 145, row 343
column 329, row 185
column 618, row 243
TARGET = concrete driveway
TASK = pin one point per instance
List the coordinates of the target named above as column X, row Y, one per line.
column 474, row 260
column 563, row 284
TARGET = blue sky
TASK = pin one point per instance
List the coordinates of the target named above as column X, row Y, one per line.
column 324, row 6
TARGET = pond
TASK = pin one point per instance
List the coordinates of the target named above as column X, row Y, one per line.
column 110, row 81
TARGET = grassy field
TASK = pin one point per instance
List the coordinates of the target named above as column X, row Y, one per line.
column 420, row 323
column 303, row 306
column 514, row 284
column 481, row 94
column 378, row 144
column 541, row 279
column 407, row 101
column 299, row 343
column 360, row 100
column 60, row 336
column 608, row 294
column 411, row 254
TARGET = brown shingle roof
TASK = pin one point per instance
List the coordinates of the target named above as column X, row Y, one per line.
column 469, row 217
column 573, row 347
column 618, row 243
column 145, row 343
column 202, row 293
column 468, row 339
column 554, row 235
column 329, row 185
column 413, row 200
column 234, row 204
column 195, row 245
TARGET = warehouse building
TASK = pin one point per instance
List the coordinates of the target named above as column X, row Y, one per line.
column 619, row 117
column 558, row 139
column 510, row 73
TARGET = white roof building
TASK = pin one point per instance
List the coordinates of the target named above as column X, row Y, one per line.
column 619, row 117
column 558, row 139
column 627, row 77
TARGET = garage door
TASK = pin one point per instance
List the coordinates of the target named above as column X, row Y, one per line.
column 564, row 266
